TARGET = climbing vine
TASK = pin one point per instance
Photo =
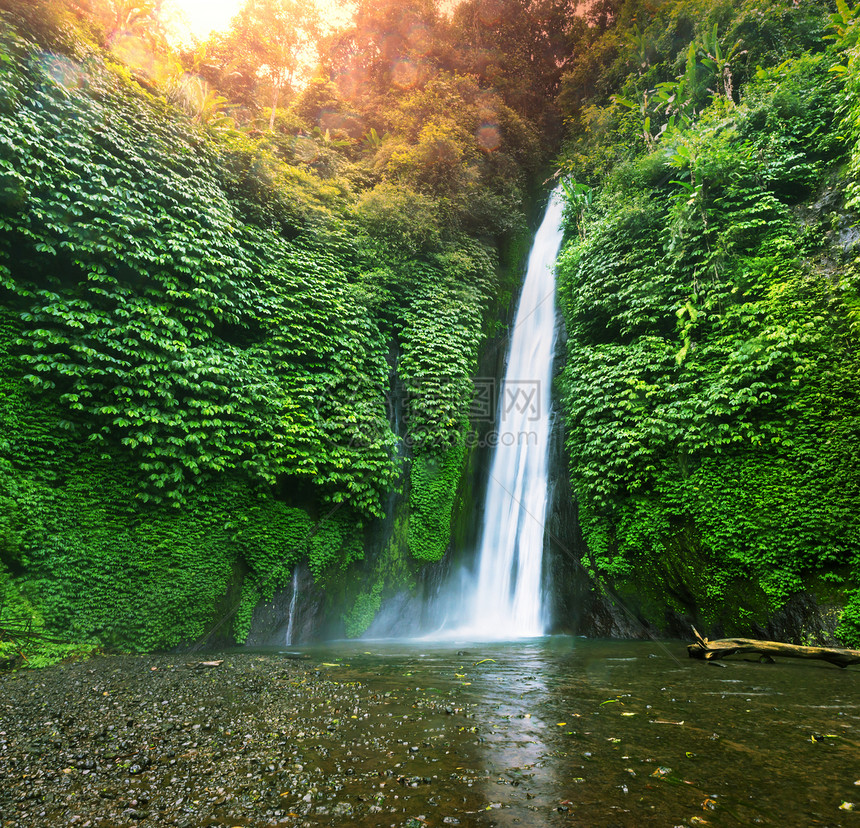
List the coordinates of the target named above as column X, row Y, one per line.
column 708, row 297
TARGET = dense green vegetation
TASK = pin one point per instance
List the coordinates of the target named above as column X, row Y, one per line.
column 201, row 317
column 710, row 295
column 244, row 292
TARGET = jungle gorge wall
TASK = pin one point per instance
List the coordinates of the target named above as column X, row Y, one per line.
column 710, row 293
column 202, row 342
column 229, row 351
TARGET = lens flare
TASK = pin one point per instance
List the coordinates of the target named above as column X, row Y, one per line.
column 404, row 74
column 63, row 70
column 489, row 137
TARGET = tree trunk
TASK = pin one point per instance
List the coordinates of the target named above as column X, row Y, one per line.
column 702, row 648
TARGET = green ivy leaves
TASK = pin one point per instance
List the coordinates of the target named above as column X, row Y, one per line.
column 709, row 441
column 167, row 323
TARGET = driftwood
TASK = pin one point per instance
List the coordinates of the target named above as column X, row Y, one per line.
column 722, row 647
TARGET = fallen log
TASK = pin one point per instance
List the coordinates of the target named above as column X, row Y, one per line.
column 722, row 647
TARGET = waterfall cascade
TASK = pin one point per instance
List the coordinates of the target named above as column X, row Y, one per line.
column 291, row 617
column 507, row 595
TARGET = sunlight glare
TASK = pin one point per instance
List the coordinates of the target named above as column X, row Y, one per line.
column 206, row 16
column 202, row 17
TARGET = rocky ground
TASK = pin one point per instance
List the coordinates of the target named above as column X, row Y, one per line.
column 562, row 733
column 257, row 741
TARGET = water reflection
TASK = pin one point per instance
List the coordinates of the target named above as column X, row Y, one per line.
column 564, row 731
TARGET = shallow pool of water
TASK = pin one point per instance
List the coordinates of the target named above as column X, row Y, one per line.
column 567, row 731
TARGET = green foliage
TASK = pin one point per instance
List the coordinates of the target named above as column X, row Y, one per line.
column 205, row 319
column 578, row 201
column 272, row 538
column 439, row 345
column 201, row 102
column 250, row 597
column 711, row 351
column 49, row 23
column 462, row 147
column 434, row 307
column 363, row 611
column 849, row 629
column 518, row 47
column 433, row 482
column 273, row 37
column 322, row 105
column 98, row 566
column 403, row 222
column 16, row 609
column 845, row 31
column 844, row 28
column 165, row 324
column 211, row 362
column 660, row 66
column 388, row 570
column 335, row 543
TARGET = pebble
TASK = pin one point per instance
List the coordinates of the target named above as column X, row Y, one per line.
column 258, row 741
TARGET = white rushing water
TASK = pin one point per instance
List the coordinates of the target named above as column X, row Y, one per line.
column 291, row 617
column 507, row 597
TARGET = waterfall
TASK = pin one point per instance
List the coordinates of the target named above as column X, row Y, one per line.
column 507, row 596
column 292, row 611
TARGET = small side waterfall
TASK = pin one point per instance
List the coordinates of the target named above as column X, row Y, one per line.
column 291, row 617
column 507, row 597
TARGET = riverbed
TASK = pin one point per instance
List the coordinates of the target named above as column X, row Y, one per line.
column 557, row 731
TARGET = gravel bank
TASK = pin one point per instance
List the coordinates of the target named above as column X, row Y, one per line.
column 258, row 741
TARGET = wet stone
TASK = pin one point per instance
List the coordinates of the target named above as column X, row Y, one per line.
column 394, row 741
